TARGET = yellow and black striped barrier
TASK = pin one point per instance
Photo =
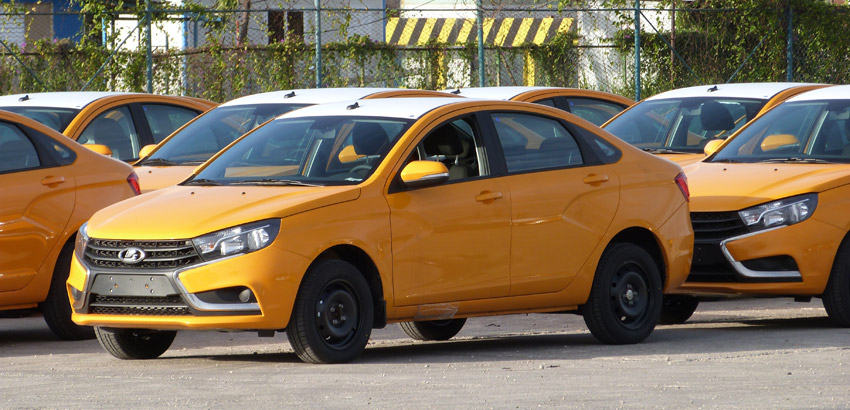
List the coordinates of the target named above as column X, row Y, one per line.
column 502, row 32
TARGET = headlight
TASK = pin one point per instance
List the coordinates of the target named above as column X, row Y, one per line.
column 82, row 241
column 786, row 211
column 237, row 240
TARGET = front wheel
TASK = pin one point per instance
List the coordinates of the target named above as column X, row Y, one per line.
column 677, row 309
column 625, row 300
column 433, row 329
column 134, row 344
column 836, row 296
column 333, row 313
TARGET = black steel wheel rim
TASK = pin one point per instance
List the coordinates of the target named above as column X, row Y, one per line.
column 630, row 296
column 337, row 314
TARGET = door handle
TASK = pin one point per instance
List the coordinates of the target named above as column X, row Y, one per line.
column 51, row 180
column 488, row 196
column 595, row 179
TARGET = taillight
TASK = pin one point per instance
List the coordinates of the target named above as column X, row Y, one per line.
column 133, row 180
column 682, row 183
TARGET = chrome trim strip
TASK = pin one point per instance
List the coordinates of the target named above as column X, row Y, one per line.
column 80, row 303
column 752, row 274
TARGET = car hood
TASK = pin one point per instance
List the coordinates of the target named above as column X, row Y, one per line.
column 730, row 187
column 153, row 178
column 182, row 212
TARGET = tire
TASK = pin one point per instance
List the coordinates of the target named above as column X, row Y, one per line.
column 677, row 309
column 57, row 307
column 433, row 329
column 836, row 296
column 135, row 344
column 625, row 300
column 333, row 313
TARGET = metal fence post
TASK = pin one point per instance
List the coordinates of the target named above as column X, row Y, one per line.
column 318, row 64
column 480, row 18
column 789, row 56
column 149, row 45
column 637, row 50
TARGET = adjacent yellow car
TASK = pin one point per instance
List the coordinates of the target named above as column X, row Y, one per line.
column 173, row 160
column 678, row 124
column 335, row 219
column 770, row 208
column 49, row 186
column 111, row 123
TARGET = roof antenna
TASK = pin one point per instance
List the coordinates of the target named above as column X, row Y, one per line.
column 713, row 89
column 289, row 95
column 353, row 106
column 456, row 92
column 24, row 98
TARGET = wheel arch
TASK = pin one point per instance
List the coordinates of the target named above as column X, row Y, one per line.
column 645, row 239
column 364, row 263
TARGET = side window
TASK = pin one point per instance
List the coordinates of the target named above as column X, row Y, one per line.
column 595, row 111
column 531, row 142
column 59, row 153
column 116, row 130
column 458, row 145
column 549, row 102
column 17, row 152
column 164, row 119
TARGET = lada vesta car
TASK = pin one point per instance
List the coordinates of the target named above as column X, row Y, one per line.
column 335, row 219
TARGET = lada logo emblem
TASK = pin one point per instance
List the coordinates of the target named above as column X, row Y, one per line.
column 131, row 255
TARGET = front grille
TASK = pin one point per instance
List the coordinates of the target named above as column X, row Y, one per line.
column 171, row 255
column 711, row 228
column 139, row 305
column 716, row 226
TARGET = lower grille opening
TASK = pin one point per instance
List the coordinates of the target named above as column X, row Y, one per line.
column 172, row 305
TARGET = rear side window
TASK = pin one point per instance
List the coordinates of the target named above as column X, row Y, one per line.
column 165, row 119
column 531, row 142
column 17, row 152
column 593, row 110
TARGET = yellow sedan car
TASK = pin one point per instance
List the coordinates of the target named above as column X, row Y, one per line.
column 49, row 186
column 335, row 219
column 111, row 123
column 770, row 208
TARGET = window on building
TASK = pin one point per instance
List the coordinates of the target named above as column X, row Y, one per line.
column 286, row 26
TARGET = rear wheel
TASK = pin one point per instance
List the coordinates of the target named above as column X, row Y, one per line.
column 333, row 313
column 677, row 309
column 57, row 307
column 625, row 300
column 433, row 329
column 836, row 296
column 133, row 344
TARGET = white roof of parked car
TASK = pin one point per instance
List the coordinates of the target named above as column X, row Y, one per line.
column 495, row 93
column 739, row 90
column 410, row 108
column 836, row 92
column 59, row 99
column 308, row 96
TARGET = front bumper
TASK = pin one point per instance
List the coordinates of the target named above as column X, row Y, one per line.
column 788, row 260
column 186, row 298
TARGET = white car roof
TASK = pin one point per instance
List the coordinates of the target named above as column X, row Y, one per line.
column 836, row 92
column 308, row 96
column 739, row 90
column 495, row 93
column 59, row 99
column 409, row 108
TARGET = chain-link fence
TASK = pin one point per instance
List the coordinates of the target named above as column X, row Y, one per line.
column 221, row 55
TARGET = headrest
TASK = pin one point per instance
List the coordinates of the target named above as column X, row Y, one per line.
column 368, row 138
column 443, row 141
column 715, row 117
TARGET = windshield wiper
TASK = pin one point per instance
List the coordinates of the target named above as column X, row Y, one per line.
column 797, row 160
column 202, row 181
column 664, row 151
column 272, row 181
column 726, row 160
column 158, row 161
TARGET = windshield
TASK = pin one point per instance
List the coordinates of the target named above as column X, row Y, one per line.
column 683, row 124
column 314, row 150
column 213, row 131
column 56, row 118
column 806, row 131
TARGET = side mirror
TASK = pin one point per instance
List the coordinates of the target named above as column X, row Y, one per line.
column 146, row 150
column 348, row 154
column 712, row 146
column 772, row 142
column 418, row 174
column 99, row 148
